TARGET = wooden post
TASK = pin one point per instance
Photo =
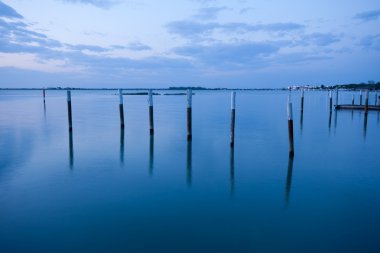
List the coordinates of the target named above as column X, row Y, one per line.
column 353, row 99
column 189, row 105
column 330, row 96
column 378, row 101
column 69, row 110
column 290, row 128
column 360, row 98
column 43, row 93
column 366, row 103
column 150, row 103
column 232, row 139
column 337, row 96
column 121, row 108
column 302, row 100
column 376, row 98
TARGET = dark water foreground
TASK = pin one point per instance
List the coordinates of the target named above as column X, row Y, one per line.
column 106, row 190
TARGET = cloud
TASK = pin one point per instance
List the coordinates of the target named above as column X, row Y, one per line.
column 320, row 39
column 246, row 10
column 137, row 46
column 8, row 12
column 81, row 47
column 243, row 55
column 23, row 48
column 371, row 42
column 104, row 4
column 188, row 28
column 209, row 13
column 368, row 15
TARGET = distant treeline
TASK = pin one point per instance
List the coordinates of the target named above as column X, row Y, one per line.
column 361, row 86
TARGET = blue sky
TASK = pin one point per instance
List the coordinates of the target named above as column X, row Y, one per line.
column 212, row 43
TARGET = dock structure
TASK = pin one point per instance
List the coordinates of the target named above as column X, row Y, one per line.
column 357, row 107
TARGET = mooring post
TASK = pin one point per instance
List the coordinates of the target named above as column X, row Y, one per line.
column 353, row 99
column 366, row 103
column 375, row 97
column 337, row 96
column 290, row 128
column 330, row 96
column 189, row 104
column 232, row 140
column 378, row 101
column 302, row 100
column 69, row 110
column 150, row 103
column 360, row 98
column 121, row 108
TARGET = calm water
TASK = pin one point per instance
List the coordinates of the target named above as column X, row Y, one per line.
column 106, row 190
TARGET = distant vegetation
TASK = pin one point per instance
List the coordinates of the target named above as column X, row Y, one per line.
column 370, row 85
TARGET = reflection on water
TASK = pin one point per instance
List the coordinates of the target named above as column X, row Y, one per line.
column 335, row 119
column 365, row 125
column 71, row 150
column 121, row 146
column 188, row 162
column 232, row 171
column 289, row 181
column 301, row 121
column 151, row 154
column 330, row 114
column 44, row 110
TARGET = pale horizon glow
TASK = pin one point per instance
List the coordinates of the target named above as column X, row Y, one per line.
column 210, row 43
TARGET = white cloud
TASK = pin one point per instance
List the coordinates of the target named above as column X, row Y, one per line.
column 29, row 61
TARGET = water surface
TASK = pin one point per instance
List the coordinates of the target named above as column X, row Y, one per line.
column 103, row 189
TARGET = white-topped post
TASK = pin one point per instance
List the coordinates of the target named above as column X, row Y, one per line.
column 121, row 108
column 189, row 114
column 232, row 136
column 69, row 113
column 150, row 104
column 290, row 127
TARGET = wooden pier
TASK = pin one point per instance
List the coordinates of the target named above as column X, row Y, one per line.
column 357, row 107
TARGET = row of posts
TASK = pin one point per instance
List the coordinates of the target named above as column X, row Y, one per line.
column 233, row 102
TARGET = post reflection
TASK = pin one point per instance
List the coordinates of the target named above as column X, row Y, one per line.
column 330, row 116
column 365, row 126
column 44, row 111
column 188, row 163
column 232, row 171
column 301, row 121
column 335, row 119
column 151, row 154
column 289, row 181
column 121, row 146
column 71, row 150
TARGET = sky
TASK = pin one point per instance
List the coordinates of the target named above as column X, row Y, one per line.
column 209, row 43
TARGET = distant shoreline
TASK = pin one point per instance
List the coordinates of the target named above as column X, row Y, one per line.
column 361, row 86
